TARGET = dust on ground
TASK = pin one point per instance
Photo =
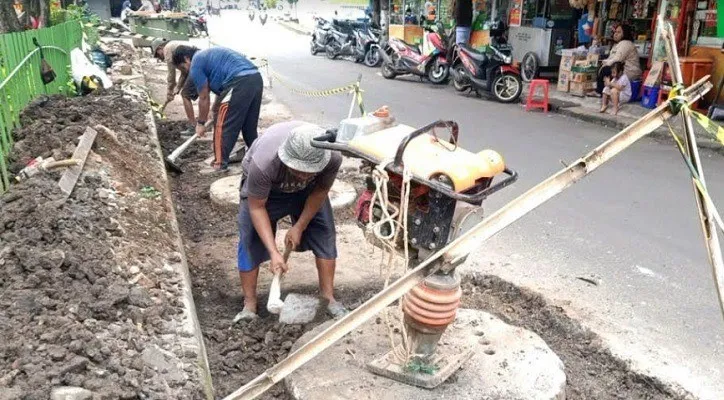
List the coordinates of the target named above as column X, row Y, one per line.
column 592, row 372
column 90, row 296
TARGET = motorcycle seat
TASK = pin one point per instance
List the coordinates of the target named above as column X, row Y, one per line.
column 413, row 47
column 472, row 53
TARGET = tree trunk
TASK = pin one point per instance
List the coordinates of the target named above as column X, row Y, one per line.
column 376, row 11
column 8, row 19
column 44, row 13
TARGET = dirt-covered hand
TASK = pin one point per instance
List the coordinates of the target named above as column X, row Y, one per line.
column 294, row 237
column 200, row 130
column 277, row 264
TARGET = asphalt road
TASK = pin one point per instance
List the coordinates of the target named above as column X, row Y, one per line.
column 632, row 226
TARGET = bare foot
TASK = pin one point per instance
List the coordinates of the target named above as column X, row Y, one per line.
column 615, row 111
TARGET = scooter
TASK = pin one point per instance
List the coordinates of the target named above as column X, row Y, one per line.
column 401, row 58
column 262, row 17
column 252, row 14
column 342, row 40
column 491, row 71
column 199, row 23
column 320, row 36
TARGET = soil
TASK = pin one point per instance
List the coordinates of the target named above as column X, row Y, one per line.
column 592, row 372
column 90, row 294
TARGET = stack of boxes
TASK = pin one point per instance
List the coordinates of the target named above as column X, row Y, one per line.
column 577, row 72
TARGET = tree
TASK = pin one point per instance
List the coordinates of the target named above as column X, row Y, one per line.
column 8, row 19
column 384, row 19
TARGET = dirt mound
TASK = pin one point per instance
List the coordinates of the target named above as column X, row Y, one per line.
column 90, row 294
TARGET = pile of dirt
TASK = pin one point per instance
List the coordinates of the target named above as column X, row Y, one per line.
column 91, row 289
column 592, row 372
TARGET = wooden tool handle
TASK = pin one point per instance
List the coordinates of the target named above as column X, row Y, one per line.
column 274, row 303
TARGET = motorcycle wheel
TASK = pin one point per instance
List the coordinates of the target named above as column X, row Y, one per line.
column 313, row 48
column 529, row 66
column 332, row 50
column 507, row 87
column 459, row 83
column 388, row 71
column 439, row 74
column 372, row 57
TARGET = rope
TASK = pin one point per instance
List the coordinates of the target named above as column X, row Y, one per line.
column 395, row 218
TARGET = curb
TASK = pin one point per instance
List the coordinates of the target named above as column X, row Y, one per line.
column 661, row 133
column 296, row 28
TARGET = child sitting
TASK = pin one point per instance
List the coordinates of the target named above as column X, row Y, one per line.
column 617, row 88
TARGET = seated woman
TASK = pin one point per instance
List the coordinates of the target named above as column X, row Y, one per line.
column 624, row 52
column 617, row 88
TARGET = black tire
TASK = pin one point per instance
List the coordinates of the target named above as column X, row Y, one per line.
column 313, row 47
column 438, row 73
column 332, row 50
column 388, row 71
column 529, row 66
column 372, row 57
column 507, row 87
column 459, row 83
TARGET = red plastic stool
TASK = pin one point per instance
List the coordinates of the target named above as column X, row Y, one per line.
column 537, row 103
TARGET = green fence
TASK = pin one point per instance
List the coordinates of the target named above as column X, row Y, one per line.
column 20, row 81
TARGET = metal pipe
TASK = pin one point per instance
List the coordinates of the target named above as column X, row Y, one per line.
column 487, row 228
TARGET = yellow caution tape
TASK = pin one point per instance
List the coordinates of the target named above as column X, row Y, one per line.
column 712, row 128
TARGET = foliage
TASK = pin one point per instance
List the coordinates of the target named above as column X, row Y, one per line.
column 70, row 88
column 73, row 12
column 149, row 192
column 270, row 4
column 182, row 5
column 292, row 2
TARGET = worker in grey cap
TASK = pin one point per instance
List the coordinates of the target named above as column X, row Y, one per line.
column 163, row 50
column 285, row 176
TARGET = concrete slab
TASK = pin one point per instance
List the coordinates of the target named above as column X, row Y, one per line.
column 508, row 363
column 225, row 192
column 299, row 309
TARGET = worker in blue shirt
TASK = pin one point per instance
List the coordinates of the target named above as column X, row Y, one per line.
column 238, row 87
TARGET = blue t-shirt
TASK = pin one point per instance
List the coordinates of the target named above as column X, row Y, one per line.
column 582, row 37
column 217, row 66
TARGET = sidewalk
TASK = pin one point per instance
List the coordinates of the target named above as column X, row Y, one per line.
column 587, row 109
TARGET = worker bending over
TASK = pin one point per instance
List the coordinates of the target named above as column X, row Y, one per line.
column 163, row 50
column 285, row 176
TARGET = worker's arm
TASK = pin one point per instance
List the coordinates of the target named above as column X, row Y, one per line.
column 311, row 208
column 262, row 225
column 204, row 104
column 170, row 79
column 181, row 83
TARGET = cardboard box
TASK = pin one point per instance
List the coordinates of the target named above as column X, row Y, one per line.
column 566, row 63
column 582, row 63
column 593, row 59
column 582, row 77
column 564, row 80
column 581, row 88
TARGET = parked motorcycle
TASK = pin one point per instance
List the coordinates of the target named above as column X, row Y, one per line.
column 252, row 14
column 491, row 71
column 359, row 42
column 401, row 58
column 262, row 17
column 199, row 23
column 320, row 36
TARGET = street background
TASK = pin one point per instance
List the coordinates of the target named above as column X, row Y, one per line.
column 631, row 227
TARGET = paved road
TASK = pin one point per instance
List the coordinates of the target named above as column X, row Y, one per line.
column 632, row 225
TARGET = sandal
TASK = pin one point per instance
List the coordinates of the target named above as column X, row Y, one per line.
column 245, row 315
column 337, row 310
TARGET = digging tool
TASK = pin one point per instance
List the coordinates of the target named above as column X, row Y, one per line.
column 274, row 304
column 455, row 252
column 296, row 308
column 171, row 159
column 70, row 176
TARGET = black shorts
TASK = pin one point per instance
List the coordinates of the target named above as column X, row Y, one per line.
column 320, row 236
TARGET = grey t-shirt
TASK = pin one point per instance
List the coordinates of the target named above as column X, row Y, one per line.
column 266, row 173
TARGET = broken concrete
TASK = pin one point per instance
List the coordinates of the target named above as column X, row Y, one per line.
column 508, row 363
column 299, row 309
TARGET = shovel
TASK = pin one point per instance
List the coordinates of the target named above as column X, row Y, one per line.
column 170, row 161
column 274, row 304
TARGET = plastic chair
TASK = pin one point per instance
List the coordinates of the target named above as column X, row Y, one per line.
column 532, row 103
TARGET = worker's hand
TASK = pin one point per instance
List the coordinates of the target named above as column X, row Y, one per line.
column 277, row 264
column 294, row 236
column 200, row 130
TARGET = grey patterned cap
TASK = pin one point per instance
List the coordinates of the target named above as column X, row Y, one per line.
column 298, row 154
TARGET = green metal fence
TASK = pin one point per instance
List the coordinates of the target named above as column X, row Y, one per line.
column 20, row 81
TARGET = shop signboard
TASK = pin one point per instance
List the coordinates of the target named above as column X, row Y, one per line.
column 516, row 13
